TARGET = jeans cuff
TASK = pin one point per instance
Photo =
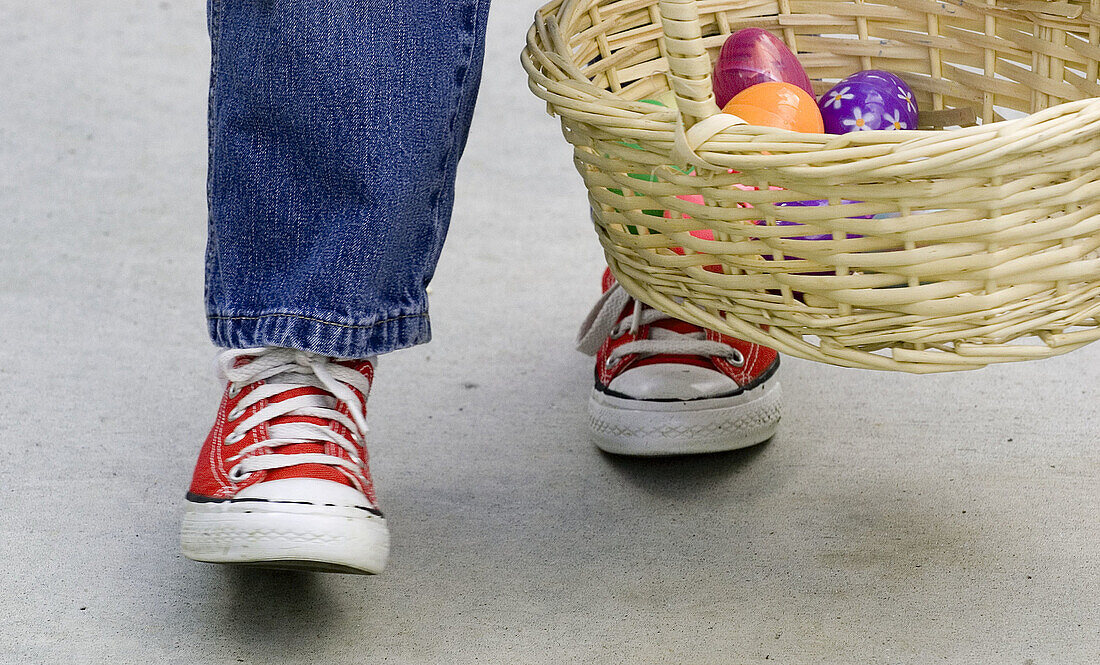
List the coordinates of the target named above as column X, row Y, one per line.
column 320, row 333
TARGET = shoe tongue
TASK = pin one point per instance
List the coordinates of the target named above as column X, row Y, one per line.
column 683, row 328
column 677, row 326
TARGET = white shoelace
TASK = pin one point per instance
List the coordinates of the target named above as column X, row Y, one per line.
column 603, row 322
column 285, row 370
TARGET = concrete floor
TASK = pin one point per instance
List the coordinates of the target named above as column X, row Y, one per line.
column 894, row 519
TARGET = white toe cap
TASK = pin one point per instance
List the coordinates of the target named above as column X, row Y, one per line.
column 672, row 381
column 313, row 490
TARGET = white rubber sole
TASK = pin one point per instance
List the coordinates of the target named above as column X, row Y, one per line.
column 640, row 427
column 285, row 535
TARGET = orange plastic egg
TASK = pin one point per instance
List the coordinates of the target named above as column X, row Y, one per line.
column 777, row 104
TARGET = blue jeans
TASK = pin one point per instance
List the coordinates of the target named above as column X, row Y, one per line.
column 336, row 127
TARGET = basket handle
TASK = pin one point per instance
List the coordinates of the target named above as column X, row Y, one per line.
column 689, row 73
column 688, row 63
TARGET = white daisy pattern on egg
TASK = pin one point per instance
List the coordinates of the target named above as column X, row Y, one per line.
column 907, row 97
column 838, row 96
column 858, row 121
column 895, row 122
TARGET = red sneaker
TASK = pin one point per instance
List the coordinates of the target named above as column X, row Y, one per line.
column 668, row 387
column 282, row 480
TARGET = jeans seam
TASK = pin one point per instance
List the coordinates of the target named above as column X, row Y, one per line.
column 288, row 315
column 437, row 245
column 215, row 30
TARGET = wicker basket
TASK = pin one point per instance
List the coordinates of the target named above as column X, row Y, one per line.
column 985, row 243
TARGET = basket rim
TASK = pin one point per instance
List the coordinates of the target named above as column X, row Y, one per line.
column 722, row 141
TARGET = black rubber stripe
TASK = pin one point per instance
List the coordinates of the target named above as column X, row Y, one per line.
column 764, row 376
column 198, row 498
column 300, row 503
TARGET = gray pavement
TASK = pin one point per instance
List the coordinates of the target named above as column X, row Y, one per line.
column 894, row 519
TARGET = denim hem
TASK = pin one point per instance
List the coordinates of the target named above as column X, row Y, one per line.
column 320, row 335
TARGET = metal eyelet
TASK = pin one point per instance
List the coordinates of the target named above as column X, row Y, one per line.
column 236, row 475
column 609, row 363
column 233, row 390
column 737, row 359
column 235, row 413
column 234, row 438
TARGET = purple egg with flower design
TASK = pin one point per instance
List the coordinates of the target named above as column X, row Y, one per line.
column 866, row 100
column 877, row 75
column 904, row 92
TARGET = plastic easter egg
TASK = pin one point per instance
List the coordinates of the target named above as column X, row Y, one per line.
column 904, row 92
column 777, row 104
column 879, row 75
column 816, row 236
column 690, row 198
column 752, row 56
column 814, row 202
column 639, row 176
column 647, row 177
column 667, row 98
column 871, row 99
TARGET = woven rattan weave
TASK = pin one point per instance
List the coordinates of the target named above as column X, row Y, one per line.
column 984, row 245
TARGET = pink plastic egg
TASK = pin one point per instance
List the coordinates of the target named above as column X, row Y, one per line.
column 753, row 56
column 690, row 198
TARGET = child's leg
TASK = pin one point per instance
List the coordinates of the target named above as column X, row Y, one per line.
column 335, row 132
